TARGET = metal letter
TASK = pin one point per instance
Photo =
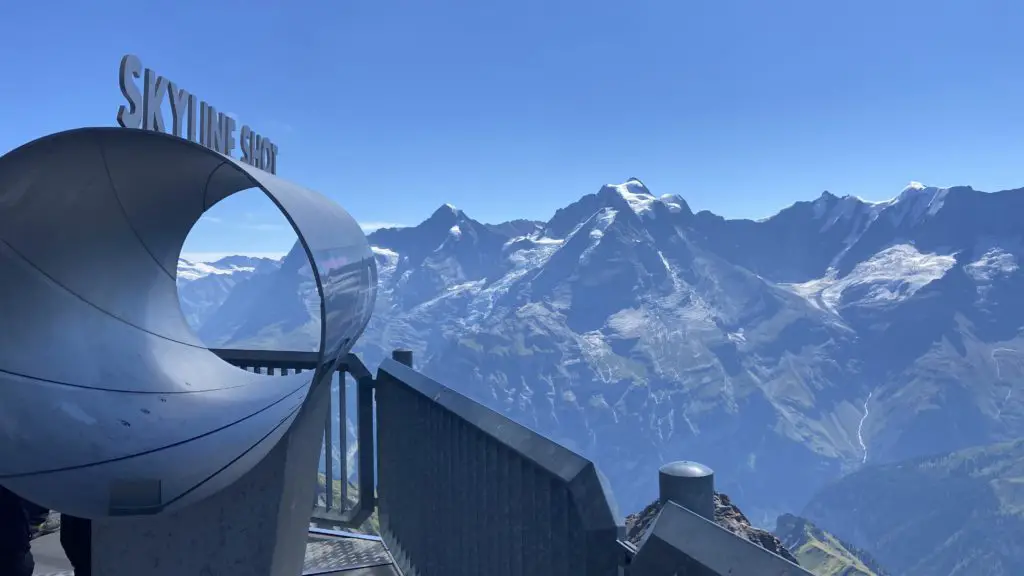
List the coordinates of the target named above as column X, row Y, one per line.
column 214, row 123
column 228, row 132
column 273, row 158
column 192, row 118
column 245, row 144
column 265, row 154
column 258, row 151
column 156, row 93
column 179, row 100
column 130, row 116
column 204, row 124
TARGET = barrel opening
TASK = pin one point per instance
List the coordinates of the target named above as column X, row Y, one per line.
column 243, row 280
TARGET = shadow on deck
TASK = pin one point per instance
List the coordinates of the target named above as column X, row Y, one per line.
column 328, row 552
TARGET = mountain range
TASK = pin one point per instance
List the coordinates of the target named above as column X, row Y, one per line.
column 785, row 352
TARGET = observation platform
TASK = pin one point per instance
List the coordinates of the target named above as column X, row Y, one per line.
column 504, row 500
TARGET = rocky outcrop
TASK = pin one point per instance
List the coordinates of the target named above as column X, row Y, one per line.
column 727, row 515
column 43, row 523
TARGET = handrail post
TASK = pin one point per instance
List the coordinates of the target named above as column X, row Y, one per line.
column 329, row 452
column 402, row 356
column 367, row 500
column 342, row 400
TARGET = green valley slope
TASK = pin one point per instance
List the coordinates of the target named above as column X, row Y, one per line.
column 956, row 514
column 823, row 553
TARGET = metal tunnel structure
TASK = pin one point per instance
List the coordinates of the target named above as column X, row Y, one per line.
column 109, row 403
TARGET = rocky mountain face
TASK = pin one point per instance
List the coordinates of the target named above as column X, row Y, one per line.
column 823, row 553
column 957, row 514
column 727, row 515
column 784, row 353
column 204, row 286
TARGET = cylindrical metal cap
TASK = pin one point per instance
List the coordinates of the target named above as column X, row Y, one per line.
column 689, row 484
column 402, row 356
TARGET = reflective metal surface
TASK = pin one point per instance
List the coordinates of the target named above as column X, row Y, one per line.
column 109, row 404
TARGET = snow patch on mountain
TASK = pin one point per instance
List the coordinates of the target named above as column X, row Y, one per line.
column 543, row 240
column 189, row 271
column 893, row 274
column 737, row 336
column 384, row 252
column 673, row 202
column 629, row 323
column 534, row 254
column 599, row 355
column 994, row 262
column 599, row 224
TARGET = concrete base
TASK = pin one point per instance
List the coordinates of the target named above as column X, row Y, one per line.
column 256, row 527
column 49, row 556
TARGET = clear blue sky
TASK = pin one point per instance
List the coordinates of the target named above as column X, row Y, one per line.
column 513, row 108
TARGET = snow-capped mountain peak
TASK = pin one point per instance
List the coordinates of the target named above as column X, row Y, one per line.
column 912, row 186
column 634, row 196
column 447, row 212
column 633, row 192
column 915, row 202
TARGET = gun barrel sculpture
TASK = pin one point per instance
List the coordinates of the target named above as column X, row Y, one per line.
column 105, row 391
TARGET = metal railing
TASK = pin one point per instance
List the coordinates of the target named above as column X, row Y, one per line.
column 461, row 489
column 331, row 510
column 465, row 490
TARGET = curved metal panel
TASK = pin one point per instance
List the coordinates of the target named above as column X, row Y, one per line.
column 102, row 383
column 342, row 260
